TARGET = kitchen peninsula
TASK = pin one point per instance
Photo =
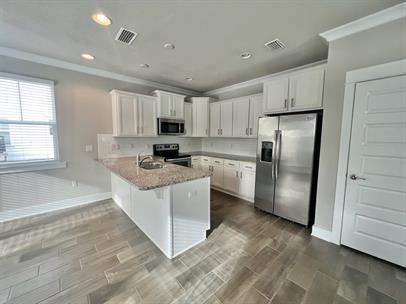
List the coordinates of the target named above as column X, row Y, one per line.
column 171, row 205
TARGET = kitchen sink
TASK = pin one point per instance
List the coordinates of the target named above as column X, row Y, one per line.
column 149, row 165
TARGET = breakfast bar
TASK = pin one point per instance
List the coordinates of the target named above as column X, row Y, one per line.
column 171, row 205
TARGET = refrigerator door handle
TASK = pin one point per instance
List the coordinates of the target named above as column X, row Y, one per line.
column 274, row 159
column 278, row 136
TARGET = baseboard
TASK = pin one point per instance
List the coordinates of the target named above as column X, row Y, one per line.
column 53, row 206
column 325, row 235
column 233, row 194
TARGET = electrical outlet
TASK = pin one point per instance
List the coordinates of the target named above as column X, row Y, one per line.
column 75, row 183
column 88, row 148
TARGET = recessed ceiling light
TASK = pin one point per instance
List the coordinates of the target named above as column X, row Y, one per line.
column 169, row 46
column 101, row 19
column 246, row 55
column 188, row 78
column 87, row 56
column 144, row 65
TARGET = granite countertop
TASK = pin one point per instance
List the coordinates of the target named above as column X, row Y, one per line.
column 225, row 156
column 144, row 179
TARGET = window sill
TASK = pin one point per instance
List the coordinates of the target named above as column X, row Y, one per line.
column 31, row 166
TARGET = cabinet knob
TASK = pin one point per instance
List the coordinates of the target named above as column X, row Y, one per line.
column 292, row 102
column 286, row 103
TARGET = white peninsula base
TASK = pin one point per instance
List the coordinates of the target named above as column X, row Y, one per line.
column 174, row 217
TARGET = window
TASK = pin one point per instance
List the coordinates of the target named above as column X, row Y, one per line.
column 27, row 120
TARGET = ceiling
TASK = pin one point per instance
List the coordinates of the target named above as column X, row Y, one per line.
column 209, row 35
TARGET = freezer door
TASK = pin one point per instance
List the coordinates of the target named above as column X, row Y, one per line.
column 264, row 179
column 294, row 166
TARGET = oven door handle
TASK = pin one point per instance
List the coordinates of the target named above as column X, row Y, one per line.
column 178, row 159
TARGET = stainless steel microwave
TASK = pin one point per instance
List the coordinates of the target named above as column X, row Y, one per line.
column 171, row 126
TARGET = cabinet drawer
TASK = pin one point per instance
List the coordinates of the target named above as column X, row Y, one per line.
column 217, row 161
column 195, row 158
column 232, row 163
column 248, row 166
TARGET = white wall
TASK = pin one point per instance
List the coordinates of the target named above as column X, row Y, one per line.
column 110, row 146
column 237, row 146
column 378, row 45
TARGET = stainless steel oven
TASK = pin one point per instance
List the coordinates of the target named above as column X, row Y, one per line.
column 184, row 161
column 171, row 126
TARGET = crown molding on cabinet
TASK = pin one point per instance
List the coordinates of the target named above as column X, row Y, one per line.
column 260, row 80
column 14, row 53
column 381, row 17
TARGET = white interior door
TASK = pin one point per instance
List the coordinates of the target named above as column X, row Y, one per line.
column 374, row 218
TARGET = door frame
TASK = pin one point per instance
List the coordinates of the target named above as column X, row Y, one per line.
column 391, row 69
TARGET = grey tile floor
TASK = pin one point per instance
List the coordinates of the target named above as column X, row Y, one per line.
column 97, row 255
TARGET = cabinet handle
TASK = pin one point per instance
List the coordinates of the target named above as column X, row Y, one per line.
column 174, row 111
column 142, row 130
column 236, row 174
column 206, row 131
column 218, row 131
column 292, row 102
column 221, row 131
column 286, row 103
column 250, row 131
column 241, row 174
column 246, row 131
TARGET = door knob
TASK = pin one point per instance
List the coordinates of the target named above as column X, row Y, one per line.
column 355, row 177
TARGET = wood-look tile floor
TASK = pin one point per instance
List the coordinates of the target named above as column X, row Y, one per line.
column 97, row 255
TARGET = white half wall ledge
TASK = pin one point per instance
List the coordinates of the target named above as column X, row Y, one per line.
column 387, row 15
column 53, row 206
column 22, row 55
column 324, row 235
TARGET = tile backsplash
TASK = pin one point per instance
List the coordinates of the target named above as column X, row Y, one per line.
column 110, row 146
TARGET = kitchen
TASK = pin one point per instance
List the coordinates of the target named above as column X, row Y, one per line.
column 158, row 185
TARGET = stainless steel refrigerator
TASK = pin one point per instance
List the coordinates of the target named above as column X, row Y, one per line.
column 287, row 161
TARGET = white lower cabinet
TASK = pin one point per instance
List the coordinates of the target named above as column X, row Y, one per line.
column 231, row 178
column 234, row 177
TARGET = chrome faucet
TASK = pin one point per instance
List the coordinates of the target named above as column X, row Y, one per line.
column 140, row 159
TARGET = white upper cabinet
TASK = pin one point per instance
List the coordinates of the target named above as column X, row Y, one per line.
column 246, row 111
column 298, row 91
column 188, row 119
column 276, row 94
column 221, row 119
column 226, row 119
column 241, row 107
column 256, row 111
column 200, row 116
column 306, row 90
column 147, row 115
column 170, row 105
column 133, row 114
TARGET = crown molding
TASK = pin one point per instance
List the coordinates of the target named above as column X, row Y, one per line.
column 370, row 21
column 260, row 80
column 14, row 53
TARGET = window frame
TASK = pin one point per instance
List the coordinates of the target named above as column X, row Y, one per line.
column 40, row 164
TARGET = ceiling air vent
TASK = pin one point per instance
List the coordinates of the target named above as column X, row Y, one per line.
column 275, row 44
column 126, row 36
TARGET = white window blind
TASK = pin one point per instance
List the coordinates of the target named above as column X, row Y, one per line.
column 27, row 120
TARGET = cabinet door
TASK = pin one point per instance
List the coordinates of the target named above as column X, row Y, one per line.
column 247, row 184
column 127, row 111
column 241, row 108
column 255, row 113
column 306, row 90
column 200, row 117
column 231, row 179
column 217, row 177
column 215, row 119
column 188, row 119
column 178, row 107
column 147, row 116
column 226, row 119
column 276, row 95
column 165, row 105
